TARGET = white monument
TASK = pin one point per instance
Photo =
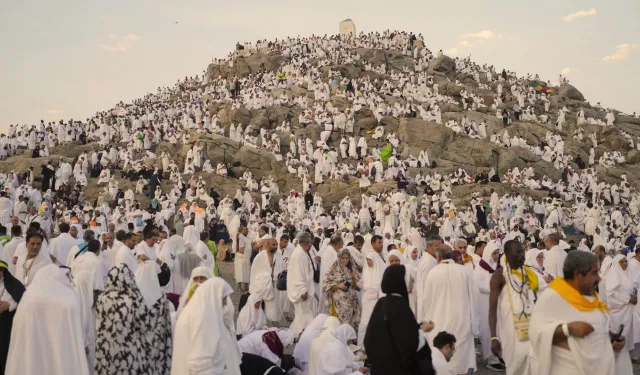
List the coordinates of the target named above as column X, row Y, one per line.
column 347, row 27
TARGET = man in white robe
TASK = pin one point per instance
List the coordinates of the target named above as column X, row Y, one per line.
column 508, row 292
column 61, row 245
column 555, row 256
column 264, row 277
column 90, row 261
column 241, row 262
column 126, row 254
column 569, row 328
column 328, row 256
column 450, row 304
column 427, row 262
column 300, row 284
column 444, row 347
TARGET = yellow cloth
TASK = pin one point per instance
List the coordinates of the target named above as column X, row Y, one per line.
column 532, row 278
column 574, row 297
column 3, row 265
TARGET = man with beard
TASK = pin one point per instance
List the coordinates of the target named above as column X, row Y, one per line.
column 266, row 267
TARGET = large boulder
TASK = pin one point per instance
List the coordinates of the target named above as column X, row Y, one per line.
column 611, row 139
column 216, row 148
column 443, row 64
column 570, row 92
column 259, row 162
column 418, row 135
column 245, row 66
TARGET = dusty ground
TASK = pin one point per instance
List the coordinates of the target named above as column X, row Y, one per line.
column 226, row 271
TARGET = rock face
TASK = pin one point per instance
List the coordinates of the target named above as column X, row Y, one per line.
column 419, row 135
column 443, row 64
column 571, row 92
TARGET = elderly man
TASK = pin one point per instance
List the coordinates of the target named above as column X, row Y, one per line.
column 427, row 262
column 449, row 300
column 266, row 267
column 300, row 284
column 569, row 327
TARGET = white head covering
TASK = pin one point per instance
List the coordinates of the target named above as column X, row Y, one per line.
column 251, row 319
column 326, row 354
column 530, row 259
column 200, row 271
column 206, row 312
column 617, row 276
column 407, row 256
column 372, row 276
column 488, row 252
column 310, row 333
column 397, row 254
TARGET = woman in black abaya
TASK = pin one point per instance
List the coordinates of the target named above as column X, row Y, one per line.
column 395, row 344
column 11, row 291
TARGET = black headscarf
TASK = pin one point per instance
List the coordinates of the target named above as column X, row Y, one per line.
column 393, row 281
column 13, row 286
column 392, row 340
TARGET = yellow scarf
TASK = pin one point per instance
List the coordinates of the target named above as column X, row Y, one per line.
column 3, row 265
column 532, row 278
column 467, row 258
column 573, row 296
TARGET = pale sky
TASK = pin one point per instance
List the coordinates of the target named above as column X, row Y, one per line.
column 68, row 59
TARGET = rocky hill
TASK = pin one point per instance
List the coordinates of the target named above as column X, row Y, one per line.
column 450, row 150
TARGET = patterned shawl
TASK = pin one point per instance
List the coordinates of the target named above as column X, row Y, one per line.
column 121, row 347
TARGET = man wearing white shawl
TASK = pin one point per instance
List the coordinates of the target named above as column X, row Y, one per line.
column 328, row 256
column 449, row 300
column 61, row 245
column 427, row 263
column 167, row 255
column 204, row 339
column 89, row 261
column 56, row 336
column 32, row 260
column 569, row 328
column 300, row 284
column 241, row 264
column 264, row 275
column 555, row 256
column 126, row 254
column 191, row 233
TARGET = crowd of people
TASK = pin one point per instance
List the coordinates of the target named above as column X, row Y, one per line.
column 404, row 281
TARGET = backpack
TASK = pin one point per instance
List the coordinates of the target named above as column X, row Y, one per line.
column 281, row 284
